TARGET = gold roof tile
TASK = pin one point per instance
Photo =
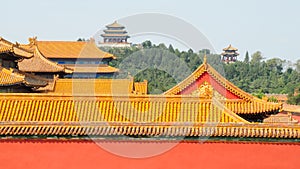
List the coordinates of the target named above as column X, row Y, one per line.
column 115, row 25
column 92, row 68
column 141, row 87
column 8, row 77
column 17, row 49
column 116, row 35
column 38, row 63
column 94, row 86
column 59, row 115
column 71, row 49
column 230, row 48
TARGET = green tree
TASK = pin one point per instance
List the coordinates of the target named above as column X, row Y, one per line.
column 171, row 49
column 256, row 57
column 147, row 44
column 247, row 58
column 258, row 76
column 298, row 65
column 295, row 100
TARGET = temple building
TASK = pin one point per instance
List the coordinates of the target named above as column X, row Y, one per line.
column 68, row 59
column 206, row 101
column 115, row 35
column 203, row 120
column 230, row 54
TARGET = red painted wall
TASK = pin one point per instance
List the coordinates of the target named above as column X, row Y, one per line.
column 206, row 77
column 88, row 155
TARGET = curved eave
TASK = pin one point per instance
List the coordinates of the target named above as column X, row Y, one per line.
column 115, row 35
column 16, row 49
column 225, row 54
column 114, row 31
column 92, row 69
column 9, row 78
column 22, row 52
column 230, row 48
column 13, row 77
column 39, row 63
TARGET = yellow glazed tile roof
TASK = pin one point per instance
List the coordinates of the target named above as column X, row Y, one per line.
column 230, row 48
column 141, row 87
column 94, row 86
column 71, row 49
column 58, row 115
column 116, row 35
column 135, row 109
column 86, row 68
column 8, row 78
column 38, row 63
column 115, row 25
column 115, row 31
column 18, row 50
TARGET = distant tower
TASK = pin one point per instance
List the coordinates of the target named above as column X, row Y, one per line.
column 115, row 35
column 230, row 54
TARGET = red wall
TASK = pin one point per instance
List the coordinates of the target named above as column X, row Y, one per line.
column 88, row 155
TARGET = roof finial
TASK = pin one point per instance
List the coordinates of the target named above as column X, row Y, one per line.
column 32, row 41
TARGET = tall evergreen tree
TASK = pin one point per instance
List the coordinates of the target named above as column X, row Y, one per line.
column 247, row 58
column 171, row 49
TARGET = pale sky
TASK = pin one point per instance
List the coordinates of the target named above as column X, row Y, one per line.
column 271, row 26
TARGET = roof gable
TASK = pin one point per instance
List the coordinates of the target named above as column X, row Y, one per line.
column 206, row 74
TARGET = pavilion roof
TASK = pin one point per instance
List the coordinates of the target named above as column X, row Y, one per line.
column 230, row 48
column 230, row 53
column 116, row 35
column 115, row 31
column 115, row 25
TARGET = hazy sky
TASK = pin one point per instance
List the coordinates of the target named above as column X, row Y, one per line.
column 271, row 26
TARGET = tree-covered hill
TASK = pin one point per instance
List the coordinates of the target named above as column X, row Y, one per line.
column 163, row 67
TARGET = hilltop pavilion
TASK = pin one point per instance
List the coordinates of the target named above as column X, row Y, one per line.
column 230, row 54
column 115, row 35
